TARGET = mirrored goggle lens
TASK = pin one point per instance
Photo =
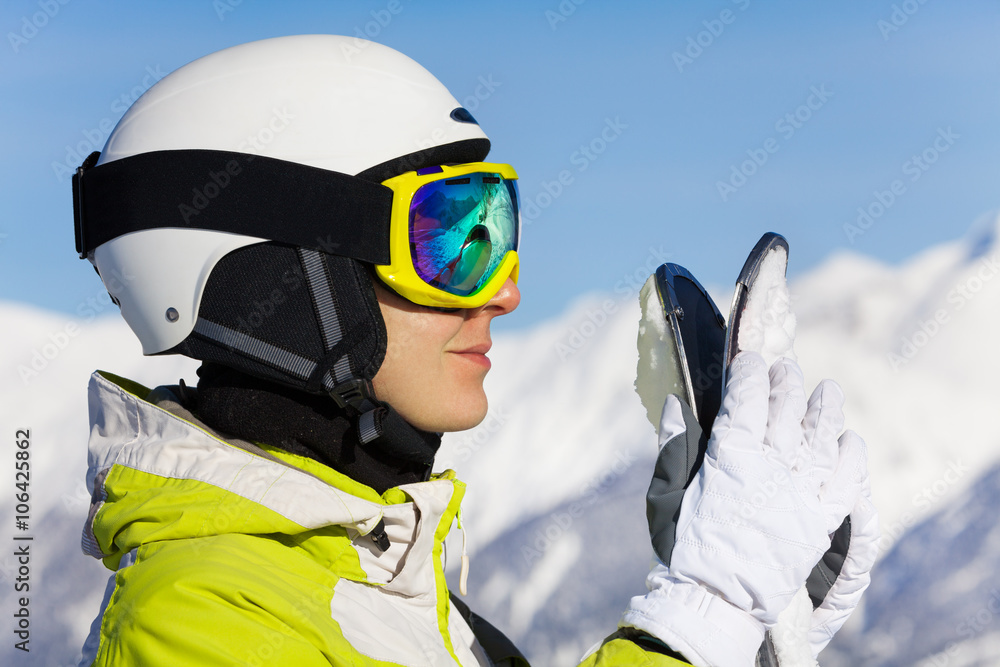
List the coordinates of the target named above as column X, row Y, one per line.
column 461, row 228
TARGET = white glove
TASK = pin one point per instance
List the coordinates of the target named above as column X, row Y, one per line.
column 775, row 483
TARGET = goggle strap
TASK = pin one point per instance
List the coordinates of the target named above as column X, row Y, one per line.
column 456, row 152
column 81, row 242
column 237, row 193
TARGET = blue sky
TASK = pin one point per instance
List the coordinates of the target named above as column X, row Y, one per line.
column 804, row 112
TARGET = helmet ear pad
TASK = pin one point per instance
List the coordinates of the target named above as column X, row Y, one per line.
column 307, row 319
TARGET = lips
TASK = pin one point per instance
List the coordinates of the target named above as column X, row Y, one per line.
column 482, row 348
column 476, row 354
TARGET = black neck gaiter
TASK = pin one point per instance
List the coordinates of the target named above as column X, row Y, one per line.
column 310, row 425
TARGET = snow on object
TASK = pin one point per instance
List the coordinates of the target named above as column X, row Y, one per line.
column 656, row 374
column 767, row 325
column 791, row 633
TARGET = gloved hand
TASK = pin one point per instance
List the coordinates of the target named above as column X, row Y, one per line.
column 775, row 483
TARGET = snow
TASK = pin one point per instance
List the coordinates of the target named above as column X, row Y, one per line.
column 936, row 591
column 791, row 633
column 658, row 369
column 767, row 325
column 558, row 471
column 46, row 360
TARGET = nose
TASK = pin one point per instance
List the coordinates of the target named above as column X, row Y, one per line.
column 506, row 299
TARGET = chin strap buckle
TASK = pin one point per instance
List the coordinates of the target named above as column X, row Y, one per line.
column 356, row 393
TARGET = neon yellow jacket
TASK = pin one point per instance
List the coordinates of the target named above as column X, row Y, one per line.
column 230, row 553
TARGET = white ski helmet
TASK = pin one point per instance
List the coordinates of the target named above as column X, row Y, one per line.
column 236, row 203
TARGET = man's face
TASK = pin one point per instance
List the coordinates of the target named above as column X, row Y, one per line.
column 435, row 361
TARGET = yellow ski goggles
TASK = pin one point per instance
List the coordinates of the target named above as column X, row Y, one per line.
column 453, row 234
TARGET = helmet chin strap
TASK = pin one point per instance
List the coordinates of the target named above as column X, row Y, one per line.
column 313, row 426
column 378, row 424
column 385, row 429
column 358, row 394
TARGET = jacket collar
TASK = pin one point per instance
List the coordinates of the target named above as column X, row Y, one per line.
column 147, row 459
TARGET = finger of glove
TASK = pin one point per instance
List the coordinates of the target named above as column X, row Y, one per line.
column 823, row 423
column 742, row 420
column 865, row 537
column 786, row 409
column 840, row 493
column 672, row 422
column 854, row 578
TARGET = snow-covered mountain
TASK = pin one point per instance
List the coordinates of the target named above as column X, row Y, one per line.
column 912, row 347
column 936, row 600
column 555, row 512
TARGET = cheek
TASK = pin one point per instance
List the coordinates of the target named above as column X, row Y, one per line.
column 414, row 343
column 428, row 387
column 413, row 364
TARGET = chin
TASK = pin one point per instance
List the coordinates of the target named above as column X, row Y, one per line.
column 458, row 416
